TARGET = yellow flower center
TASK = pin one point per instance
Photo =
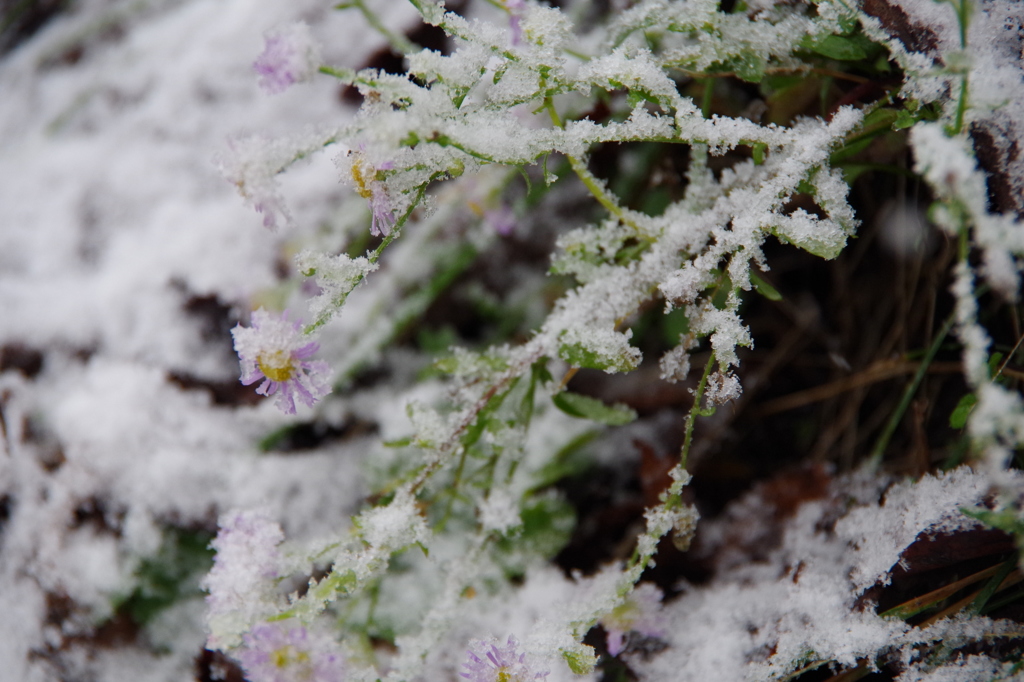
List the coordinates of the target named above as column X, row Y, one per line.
column 276, row 366
column 362, row 182
column 504, row 674
column 287, row 655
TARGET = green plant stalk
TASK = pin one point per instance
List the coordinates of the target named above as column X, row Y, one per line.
column 375, row 255
column 709, row 92
column 908, row 394
column 398, row 42
column 991, row 586
column 453, row 491
column 695, row 411
column 641, row 558
column 961, row 106
column 588, row 179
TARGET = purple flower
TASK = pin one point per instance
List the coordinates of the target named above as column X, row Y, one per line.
column 246, row 563
column 291, row 55
column 491, row 662
column 275, row 350
column 251, row 164
column 641, row 612
column 371, row 189
column 516, row 10
column 383, row 215
column 502, row 220
column 275, row 653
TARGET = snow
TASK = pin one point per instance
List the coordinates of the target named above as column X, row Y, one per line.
column 755, row 621
column 114, row 216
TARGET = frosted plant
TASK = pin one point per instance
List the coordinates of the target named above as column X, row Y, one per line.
column 640, row 613
column 274, row 350
column 430, row 154
column 248, row 560
column 277, row 652
column 291, row 55
column 490, row 661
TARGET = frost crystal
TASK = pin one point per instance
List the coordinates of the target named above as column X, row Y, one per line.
column 491, row 662
column 274, row 653
column 722, row 388
column 641, row 612
column 291, row 55
column 500, row 512
column 275, row 350
column 336, row 276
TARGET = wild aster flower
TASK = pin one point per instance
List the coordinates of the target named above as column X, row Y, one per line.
column 274, row 349
column 489, row 662
column 502, row 220
column 373, row 191
column 383, row 215
column 641, row 612
column 251, row 164
column 275, row 653
column 246, row 563
column 516, row 10
column 290, row 55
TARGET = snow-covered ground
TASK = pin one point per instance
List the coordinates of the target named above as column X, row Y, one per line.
column 124, row 258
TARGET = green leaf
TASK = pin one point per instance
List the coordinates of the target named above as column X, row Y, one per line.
column 547, row 526
column 904, row 119
column 979, row 603
column 435, row 341
column 958, row 419
column 851, row 149
column 570, row 460
column 759, row 151
column 337, row 583
column 879, row 119
column 448, row 365
column 1004, row 519
column 749, row 67
column 673, row 325
column 581, row 660
column 848, row 23
column 993, row 363
column 172, row 575
column 764, row 288
column 836, row 47
column 578, row 355
column 485, row 418
column 585, row 407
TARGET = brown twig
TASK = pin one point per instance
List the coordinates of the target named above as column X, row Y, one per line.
column 878, row 371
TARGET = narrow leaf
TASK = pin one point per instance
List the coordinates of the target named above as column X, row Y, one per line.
column 585, row 407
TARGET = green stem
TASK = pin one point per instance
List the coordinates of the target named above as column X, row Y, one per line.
column 695, row 411
column 964, row 15
column 345, row 75
column 592, row 184
column 453, row 492
column 374, row 598
column 709, row 91
column 398, row 42
column 978, row 605
column 908, row 393
column 373, row 257
column 961, row 106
